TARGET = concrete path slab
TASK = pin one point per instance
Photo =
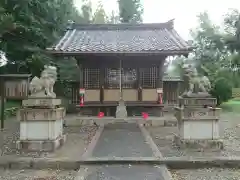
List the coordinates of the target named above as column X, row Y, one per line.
column 123, row 172
column 122, row 140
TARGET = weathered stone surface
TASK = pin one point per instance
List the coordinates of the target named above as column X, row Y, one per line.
column 44, row 102
column 194, row 84
column 198, row 114
column 198, row 144
column 41, row 125
column 198, row 118
column 121, row 111
column 43, row 87
column 125, row 172
column 197, row 101
column 38, row 114
column 198, row 123
column 122, row 140
column 41, row 130
column 41, row 146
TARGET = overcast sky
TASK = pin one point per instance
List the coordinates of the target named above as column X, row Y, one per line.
column 184, row 12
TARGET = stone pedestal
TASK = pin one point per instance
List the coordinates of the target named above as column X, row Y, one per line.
column 197, row 102
column 198, row 125
column 41, row 125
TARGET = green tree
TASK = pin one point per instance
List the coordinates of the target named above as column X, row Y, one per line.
column 113, row 18
column 212, row 56
column 232, row 27
column 33, row 26
column 222, row 90
column 130, row 11
column 209, row 46
column 99, row 16
column 6, row 22
column 86, row 12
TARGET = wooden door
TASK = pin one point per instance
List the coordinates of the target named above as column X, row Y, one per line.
column 148, row 81
column 128, row 79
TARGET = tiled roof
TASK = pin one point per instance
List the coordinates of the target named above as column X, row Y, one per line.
column 121, row 38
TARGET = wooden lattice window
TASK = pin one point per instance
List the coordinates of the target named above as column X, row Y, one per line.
column 129, row 78
column 148, row 77
column 91, row 78
column 112, row 77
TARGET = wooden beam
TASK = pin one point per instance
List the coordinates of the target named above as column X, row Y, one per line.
column 119, row 53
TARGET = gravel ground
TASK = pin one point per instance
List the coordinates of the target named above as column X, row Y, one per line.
column 229, row 132
column 37, row 175
column 77, row 137
column 206, row 174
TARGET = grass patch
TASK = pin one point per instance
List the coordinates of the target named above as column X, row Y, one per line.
column 232, row 105
column 11, row 106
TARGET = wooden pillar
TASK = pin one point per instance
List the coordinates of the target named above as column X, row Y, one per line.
column 139, row 85
column 120, row 78
column 160, row 81
column 2, row 86
column 81, row 77
column 102, row 73
column 160, row 73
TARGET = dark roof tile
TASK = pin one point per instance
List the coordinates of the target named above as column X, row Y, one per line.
column 119, row 38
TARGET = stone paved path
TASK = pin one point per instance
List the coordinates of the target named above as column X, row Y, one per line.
column 124, row 172
column 122, row 140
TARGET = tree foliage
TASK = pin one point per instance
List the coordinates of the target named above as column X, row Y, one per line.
column 27, row 27
column 216, row 51
column 99, row 16
column 222, row 90
column 130, row 11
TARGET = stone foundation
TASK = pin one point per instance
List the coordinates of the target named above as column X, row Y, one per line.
column 216, row 144
column 41, row 145
column 40, row 114
column 41, row 125
column 41, row 102
column 198, row 123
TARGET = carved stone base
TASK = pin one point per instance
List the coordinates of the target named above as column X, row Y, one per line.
column 197, row 101
column 44, row 102
column 41, row 114
column 196, row 95
column 198, row 144
column 41, row 146
column 42, row 94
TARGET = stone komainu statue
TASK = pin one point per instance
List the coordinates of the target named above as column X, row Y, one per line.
column 43, row 86
column 194, row 85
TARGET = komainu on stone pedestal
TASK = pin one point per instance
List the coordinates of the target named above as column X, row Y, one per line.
column 195, row 85
column 197, row 115
column 41, row 117
column 43, row 87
